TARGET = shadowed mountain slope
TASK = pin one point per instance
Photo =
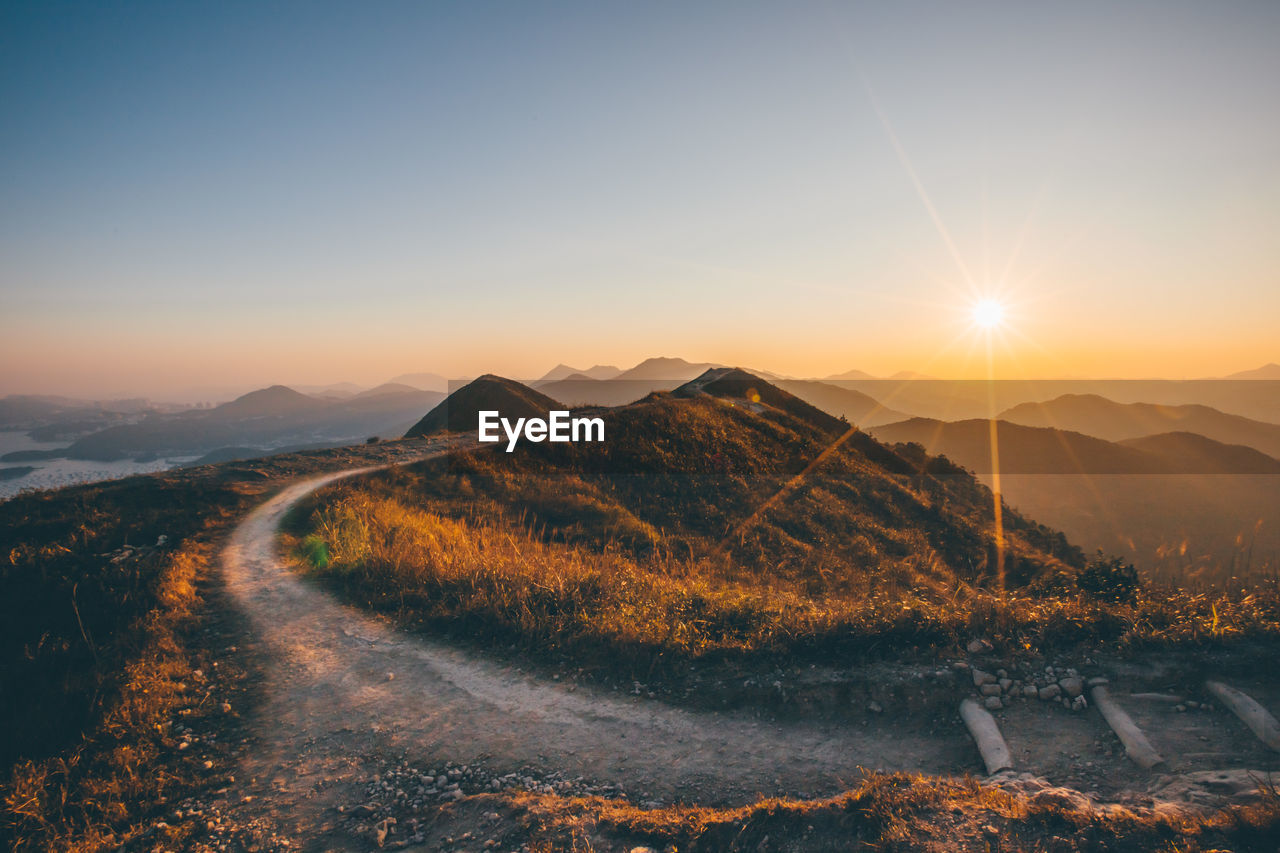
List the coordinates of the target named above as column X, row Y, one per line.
column 459, row 412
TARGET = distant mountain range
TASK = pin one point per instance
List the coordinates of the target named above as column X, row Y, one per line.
column 1044, row 450
column 564, row 371
column 1098, row 416
column 265, row 419
column 1175, row 503
column 1267, row 371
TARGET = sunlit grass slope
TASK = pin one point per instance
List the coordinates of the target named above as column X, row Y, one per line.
column 689, row 534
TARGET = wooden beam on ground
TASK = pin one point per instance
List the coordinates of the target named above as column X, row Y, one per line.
column 1136, row 745
column 1253, row 715
column 986, row 734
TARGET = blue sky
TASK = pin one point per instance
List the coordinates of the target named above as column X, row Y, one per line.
column 230, row 194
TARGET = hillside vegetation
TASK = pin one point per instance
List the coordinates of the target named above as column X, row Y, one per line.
column 106, row 622
column 729, row 520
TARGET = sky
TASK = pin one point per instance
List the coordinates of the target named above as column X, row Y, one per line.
column 233, row 194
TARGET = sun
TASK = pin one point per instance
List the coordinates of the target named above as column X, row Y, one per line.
column 988, row 313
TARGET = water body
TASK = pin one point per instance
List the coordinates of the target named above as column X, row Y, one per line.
column 56, row 473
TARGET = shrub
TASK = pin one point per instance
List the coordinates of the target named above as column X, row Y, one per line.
column 1109, row 579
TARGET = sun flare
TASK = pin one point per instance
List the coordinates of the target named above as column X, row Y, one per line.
column 988, row 313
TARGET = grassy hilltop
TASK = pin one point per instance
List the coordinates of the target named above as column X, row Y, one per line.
column 728, row 520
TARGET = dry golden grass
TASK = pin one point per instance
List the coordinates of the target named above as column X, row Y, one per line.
column 899, row 812
column 79, row 799
column 502, row 581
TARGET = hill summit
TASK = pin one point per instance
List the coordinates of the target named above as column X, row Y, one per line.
column 729, row 464
column 276, row 400
column 459, row 412
column 734, row 383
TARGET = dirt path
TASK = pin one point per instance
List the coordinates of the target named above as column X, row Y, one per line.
column 343, row 688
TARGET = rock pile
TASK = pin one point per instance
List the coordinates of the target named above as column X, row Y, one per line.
column 1064, row 686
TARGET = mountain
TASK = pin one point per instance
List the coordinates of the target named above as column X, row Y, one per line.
column 854, row 406
column 1194, row 453
column 1024, row 450
column 746, row 389
column 672, row 370
column 603, row 371
column 730, row 464
column 267, row 402
column 654, row 374
column 560, row 371
column 387, row 388
column 852, row 374
column 266, row 420
column 1267, row 371
column 336, row 390
column 564, row 371
column 958, row 399
column 1043, row 450
column 459, row 412
column 423, row 381
column 582, row 390
column 1177, row 505
column 1098, row 416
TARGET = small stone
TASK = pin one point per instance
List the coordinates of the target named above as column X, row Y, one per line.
column 875, row 708
column 1050, row 692
column 1180, row 708
column 1005, row 683
column 1030, row 690
column 1073, row 685
column 979, row 646
column 980, row 678
column 1002, row 673
column 1079, row 703
column 990, row 689
column 992, row 703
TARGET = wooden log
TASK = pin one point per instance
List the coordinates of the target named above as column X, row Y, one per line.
column 1253, row 715
column 1136, row 745
column 986, row 734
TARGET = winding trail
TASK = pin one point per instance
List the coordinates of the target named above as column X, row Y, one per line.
column 331, row 704
column 344, row 689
